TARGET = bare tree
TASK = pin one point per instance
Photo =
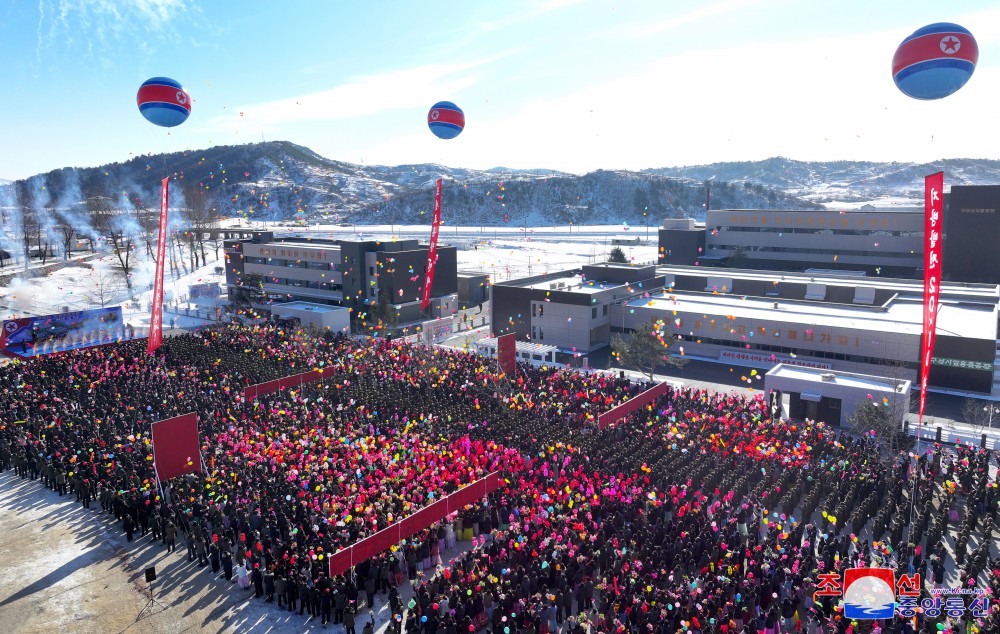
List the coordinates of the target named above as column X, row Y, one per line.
column 28, row 223
column 897, row 372
column 979, row 413
column 177, row 254
column 104, row 287
column 147, row 221
column 871, row 420
column 118, row 229
column 29, row 229
column 67, row 232
column 200, row 218
column 42, row 243
column 646, row 348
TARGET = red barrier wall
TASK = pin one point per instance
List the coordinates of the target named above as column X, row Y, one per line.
column 343, row 560
column 294, row 380
column 631, row 405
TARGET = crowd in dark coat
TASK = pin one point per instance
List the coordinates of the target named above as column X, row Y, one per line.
column 697, row 514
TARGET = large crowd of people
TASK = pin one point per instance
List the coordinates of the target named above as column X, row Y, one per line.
column 698, row 513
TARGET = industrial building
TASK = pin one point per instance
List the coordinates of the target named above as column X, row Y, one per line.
column 568, row 309
column 833, row 396
column 351, row 273
column 473, row 288
column 885, row 243
column 760, row 319
column 878, row 242
column 322, row 316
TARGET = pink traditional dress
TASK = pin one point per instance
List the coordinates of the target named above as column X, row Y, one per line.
column 242, row 578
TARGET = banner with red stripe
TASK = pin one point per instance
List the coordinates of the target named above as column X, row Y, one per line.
column 156, row 315
column 432, row 250
column 933, row 206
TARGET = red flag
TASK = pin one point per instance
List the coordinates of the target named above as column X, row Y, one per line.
column 156, row 317
column 933, row 205
column 432, row 250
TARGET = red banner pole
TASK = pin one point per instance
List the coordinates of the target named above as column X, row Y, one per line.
column 156, row 316
column 432, row 249
column 933, row 204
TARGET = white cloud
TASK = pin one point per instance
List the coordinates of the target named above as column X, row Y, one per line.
column 696, row 15
column 537, row 10
column 64, row 23
column 813, row 100
column 359, row 97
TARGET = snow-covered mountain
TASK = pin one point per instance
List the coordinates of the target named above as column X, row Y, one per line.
column 284, row 181
column 281, row 180
column 558, row 199
column 847, row 183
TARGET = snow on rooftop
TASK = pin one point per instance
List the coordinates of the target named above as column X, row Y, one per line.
column 904, row 314
column 849, row 379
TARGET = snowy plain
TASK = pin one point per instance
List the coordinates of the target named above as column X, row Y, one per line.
column 503, row 253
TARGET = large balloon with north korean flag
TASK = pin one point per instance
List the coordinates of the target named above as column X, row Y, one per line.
column 935, row 61
column 164, row 102
column 446, row 120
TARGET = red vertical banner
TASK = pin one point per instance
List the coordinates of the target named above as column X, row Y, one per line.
column 156, row 316
column 933, row 205
column 432, row 250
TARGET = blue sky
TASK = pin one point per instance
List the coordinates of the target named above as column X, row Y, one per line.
column 562, row 84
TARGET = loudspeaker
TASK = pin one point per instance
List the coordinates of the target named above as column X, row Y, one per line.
column 150, row 574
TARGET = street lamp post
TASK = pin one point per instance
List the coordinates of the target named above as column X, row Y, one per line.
column 992, row 408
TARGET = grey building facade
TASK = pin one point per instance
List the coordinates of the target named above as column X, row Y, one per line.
column 351, row 273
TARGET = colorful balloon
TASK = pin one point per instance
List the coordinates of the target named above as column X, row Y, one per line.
column 163, row 102
column 935, row 61
column 446, row 120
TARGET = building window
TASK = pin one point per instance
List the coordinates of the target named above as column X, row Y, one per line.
column 371, row 270
column 533, row 311
column 541, row 334
column 534, row 333
column 605, row 310
column 593, row 312
column 541, row 310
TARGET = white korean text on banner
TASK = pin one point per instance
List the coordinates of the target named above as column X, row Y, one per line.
column 933, row 186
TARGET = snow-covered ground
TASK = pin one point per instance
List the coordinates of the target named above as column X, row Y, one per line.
column 70, row 569
column 503, row 252
column 72, row 288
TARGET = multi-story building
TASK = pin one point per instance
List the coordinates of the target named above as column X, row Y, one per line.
column 351, row 273
column 971, row 229
column 868, row 325
column 568, row 309
column 885, row 243
column 874, row 241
